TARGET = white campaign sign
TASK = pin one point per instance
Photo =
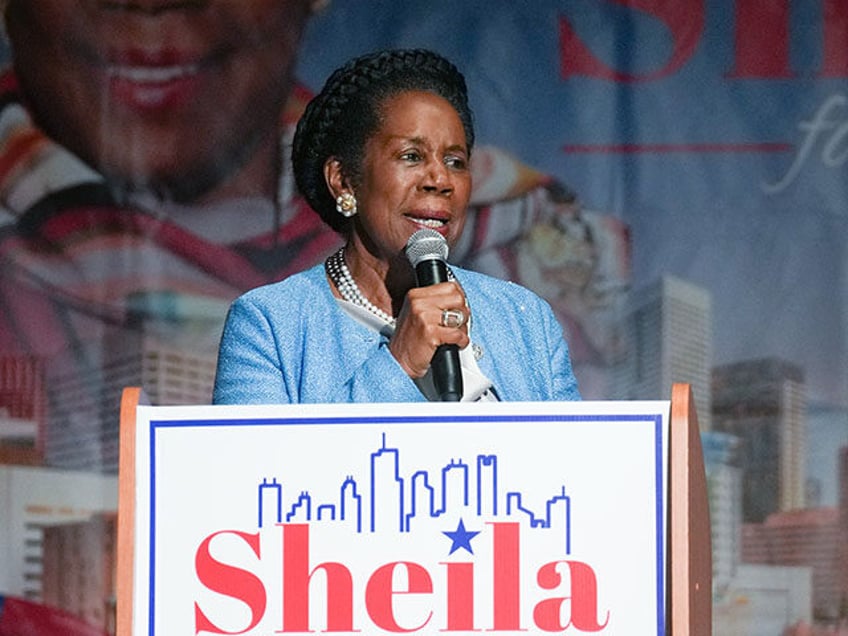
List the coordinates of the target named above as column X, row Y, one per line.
column 414, row 518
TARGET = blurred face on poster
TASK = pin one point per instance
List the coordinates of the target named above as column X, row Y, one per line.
column 182, row 98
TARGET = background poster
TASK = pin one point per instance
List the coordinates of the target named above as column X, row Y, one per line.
column 670, row 176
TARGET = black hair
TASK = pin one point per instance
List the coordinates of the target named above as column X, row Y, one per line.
column 342, row 117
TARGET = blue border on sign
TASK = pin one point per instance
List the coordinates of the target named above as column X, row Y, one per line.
column 656, row 419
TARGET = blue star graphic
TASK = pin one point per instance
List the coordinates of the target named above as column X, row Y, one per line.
column 461, row 538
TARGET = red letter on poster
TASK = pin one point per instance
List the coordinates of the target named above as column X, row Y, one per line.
column 460, row 577
column 762, row 39
column 379, row 594
column 835, row 39
column 229, row 581
column 296, row 577
column 506, row 580
column 685, row 20
column 584, row 599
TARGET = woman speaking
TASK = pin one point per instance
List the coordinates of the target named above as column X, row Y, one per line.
column 382, row 155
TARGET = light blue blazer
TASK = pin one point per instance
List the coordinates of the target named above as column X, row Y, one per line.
column 290, row 342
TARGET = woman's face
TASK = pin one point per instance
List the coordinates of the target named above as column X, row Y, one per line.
column 415, row 174
column 167, row 94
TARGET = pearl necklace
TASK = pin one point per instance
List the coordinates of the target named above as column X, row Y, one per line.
column 343, row 280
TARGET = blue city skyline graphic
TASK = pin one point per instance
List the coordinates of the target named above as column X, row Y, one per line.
column 470, row 490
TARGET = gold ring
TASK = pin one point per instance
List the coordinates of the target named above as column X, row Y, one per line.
column 453, row 318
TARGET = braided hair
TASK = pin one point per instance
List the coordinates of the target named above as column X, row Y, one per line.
column 347, row 112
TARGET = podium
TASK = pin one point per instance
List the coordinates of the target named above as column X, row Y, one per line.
column 683, row 549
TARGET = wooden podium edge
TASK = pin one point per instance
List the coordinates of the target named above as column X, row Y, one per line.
column 690, row 541
column 131, row 397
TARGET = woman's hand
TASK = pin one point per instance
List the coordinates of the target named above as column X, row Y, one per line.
column 420, row 328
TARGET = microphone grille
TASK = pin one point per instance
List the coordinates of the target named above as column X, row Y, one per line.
column 426, row 245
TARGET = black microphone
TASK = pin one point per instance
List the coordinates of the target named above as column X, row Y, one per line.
column 427, row 250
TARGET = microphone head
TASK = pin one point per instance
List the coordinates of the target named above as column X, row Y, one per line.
column 426, row 245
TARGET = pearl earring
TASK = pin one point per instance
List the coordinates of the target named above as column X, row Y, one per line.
column 346, row 204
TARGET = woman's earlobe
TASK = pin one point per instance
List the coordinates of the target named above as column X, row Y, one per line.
column 334, row 177
column 339, row 188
